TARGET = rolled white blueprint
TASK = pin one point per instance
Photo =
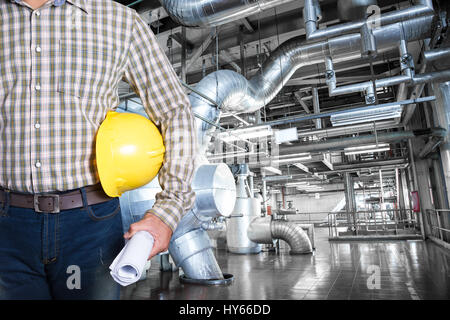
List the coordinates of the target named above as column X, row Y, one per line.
column 129, row 264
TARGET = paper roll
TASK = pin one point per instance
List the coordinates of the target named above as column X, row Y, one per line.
column 129, row 264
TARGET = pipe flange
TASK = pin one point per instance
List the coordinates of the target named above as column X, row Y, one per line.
column 329, row 74
column 228, row 278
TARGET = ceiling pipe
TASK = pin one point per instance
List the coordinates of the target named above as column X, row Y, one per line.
column 423, row 8
column 436, row 54
column 212, row 13
column 346, row 130
column 235, row 94
column 337, row 144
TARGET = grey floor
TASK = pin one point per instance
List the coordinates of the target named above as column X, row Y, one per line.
column 336, row 270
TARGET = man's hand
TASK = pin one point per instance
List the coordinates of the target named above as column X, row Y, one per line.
column 158, row 229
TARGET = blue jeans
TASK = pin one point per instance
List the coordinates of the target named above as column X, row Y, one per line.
column 60, row 256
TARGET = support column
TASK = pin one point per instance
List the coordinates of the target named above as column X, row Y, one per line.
column 350, row 203
column 442, row 116
column 424, row 184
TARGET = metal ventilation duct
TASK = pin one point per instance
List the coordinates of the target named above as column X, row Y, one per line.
column 233, row 93
column 349, row 10
column 211, row 13
column 265, row 230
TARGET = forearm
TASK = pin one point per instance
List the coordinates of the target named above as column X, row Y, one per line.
column 176, row 174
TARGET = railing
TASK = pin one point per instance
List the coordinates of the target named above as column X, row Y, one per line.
column 319, row 219
column 434, row 221
column 394, row 222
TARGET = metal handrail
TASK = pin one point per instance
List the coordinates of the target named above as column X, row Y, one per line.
column 367, row 221
column 438, row 220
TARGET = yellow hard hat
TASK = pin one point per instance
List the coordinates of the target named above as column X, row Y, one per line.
column 129, row 152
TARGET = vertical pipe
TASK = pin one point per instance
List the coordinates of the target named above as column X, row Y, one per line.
column 251, row 185
column 264, row 193
column 183, row 55
column 242, row 52
column 397, row 188
column 316, row 106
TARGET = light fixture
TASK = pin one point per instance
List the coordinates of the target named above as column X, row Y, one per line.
column 295, row 159
column 360, row 116
column 367, row 149
column 245, row 133
column 295, row 184
column 272, row 169
column 276, row 178
column 286, row 135
column 309, row 188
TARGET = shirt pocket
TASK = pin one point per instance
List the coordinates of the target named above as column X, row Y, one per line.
column 86, row 68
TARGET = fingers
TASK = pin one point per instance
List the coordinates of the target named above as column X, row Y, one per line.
column 160, row 232
column 154, row 252
column 135, row 227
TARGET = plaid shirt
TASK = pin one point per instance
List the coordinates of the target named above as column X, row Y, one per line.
column 60, row 67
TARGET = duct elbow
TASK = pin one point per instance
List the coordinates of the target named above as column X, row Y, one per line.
column 293, row 234
column 265, row 230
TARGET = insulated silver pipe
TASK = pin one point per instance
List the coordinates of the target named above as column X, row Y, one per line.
column 293, row 234
column 345, row 130
column 438, row 76
column 423, row 7
column 211, row 13
column 337, row 144
column 316, row 106
column 235, row 94
column 265, row 230
column 436, row 54
column 190, row 246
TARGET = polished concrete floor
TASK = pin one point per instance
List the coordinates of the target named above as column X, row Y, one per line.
column 389, row 270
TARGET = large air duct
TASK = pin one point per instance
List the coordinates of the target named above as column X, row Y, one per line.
column 190, row 245
column 376, row 20
column 350, row 10
column 265, row 230
column 211, row 13
column 233, row 93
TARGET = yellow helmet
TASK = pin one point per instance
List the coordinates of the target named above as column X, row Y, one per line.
column 129, row 152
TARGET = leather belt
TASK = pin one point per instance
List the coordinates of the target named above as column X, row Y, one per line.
column 55, row 202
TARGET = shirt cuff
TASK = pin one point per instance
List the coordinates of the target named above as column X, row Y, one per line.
column 166, row 216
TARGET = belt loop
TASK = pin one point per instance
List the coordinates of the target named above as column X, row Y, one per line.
column 5, row 208
column 84, row 197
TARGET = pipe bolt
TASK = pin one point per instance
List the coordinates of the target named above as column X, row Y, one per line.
column 329, row 74
column 370, row 99
column 406, row 58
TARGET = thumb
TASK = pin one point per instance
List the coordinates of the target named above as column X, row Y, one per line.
column 135, row 227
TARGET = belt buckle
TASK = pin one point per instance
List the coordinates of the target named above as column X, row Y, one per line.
column 55, row 198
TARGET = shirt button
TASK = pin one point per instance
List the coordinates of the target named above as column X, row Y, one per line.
column 38, row 49
column 37, row 164
column 38, row 13
column 38, row 87
column 37, row 125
